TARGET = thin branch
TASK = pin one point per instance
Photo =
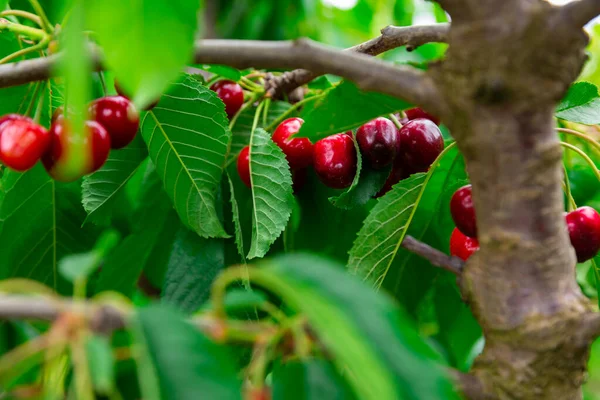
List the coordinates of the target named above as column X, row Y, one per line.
column 391, row 38
column 434, row 256
column 368, row 73
column 579, row 13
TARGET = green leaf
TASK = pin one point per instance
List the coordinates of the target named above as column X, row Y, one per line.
column 14, row 99
column 346, row 107
column 366, row 333
column 271, row 192
column 124, row 264
column 581, row 104
column 146, row 43
column 223, row 70
column 101, row 364
column 312, row 379
column 384, row 229
column 191, row 270
column 235, row 211
column 76, row 266
column 187, row 138
column 367, row 182
column 177, row 362
column 101, row 189
column 40, row 223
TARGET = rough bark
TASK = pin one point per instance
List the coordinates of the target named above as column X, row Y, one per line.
column 505, row 69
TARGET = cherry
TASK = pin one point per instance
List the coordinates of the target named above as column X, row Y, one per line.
column 119, row 117
column 584, row 231
column 378, row 141
column 463, row 212
column 335, row 160
column 97, row 142
column 462, row 246
column 243, row 166
column 22, row 143
column 121, row 92
column 231, row 94
column 415, row 113
column 298, row 151
column 421, row 142
column 13, row 117
column 396, row 175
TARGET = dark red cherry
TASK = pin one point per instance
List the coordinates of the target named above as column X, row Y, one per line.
column 118, row 116
column 335, row 160
column 96, row 143
column 298, row 151
column 463, row 212
column 584, row 231
column 121, row 92
column 378, row 141
column 462, row 246
column 22, row 143
column 231, row 94
column 396, row 175
column 243, row 166
column 421, row 142
column 415, row 113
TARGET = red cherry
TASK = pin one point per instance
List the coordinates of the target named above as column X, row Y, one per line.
column 13, row 117
column 421, row 142
column 119, row 117
column 396, row 175
column 22, row 143
column 379, row 141
column 462, row 246
column 122, row 93
column 584, row 231
column 97, row 141
column 243, row 166
column 298, row 151
column 231, row 94
column 415, row 113
column 463, row 211
column 335, row 160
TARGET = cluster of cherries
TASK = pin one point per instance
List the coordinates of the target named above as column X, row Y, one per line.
column 113, row 123
column 408, row 150
column 583, row 225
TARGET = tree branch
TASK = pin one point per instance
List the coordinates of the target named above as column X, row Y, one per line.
column 471, row 386
column 391, row 38
column 434, row 256
column 590, row 328
column 579, row 13
column 368, row 73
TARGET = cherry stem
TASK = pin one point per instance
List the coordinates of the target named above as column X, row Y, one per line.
column 32, row 33
column 40, row 46
column 567, row 187
column 33, row 99
column 291, row 110
column 584, row 156
column 40, row 12
column 22, row 14
column 581, row 135
column 395, row 121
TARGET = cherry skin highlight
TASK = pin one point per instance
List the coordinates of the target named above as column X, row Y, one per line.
column 22, row 143
column 421, row 142
column 119, row 117
column 584, row 231
column 243, row 166
column 13, row 117
column 415, row 113
column 97, row 144
column 462, row 246
column 378, row 141
column 335, row 160
column 298, row 151
column 463, row 211
column 231, row 94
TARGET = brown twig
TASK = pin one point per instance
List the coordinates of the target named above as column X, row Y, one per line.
column 579, row 13
column 434, row 256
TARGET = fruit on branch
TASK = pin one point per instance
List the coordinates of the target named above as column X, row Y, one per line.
column 121, row 92
column 13, row 117
column 335, row 160
column 415, row 113
column 231, row 94
column 584, row 231
column 96, row 143
column 379, row 142
column 462, row 246
column 118, row 116
column 298, row 151
column 243, row 166
column 421, row 142
column 463, row 211
column 22, row 142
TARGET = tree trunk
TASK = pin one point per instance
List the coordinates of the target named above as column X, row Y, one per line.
column 504, row 72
